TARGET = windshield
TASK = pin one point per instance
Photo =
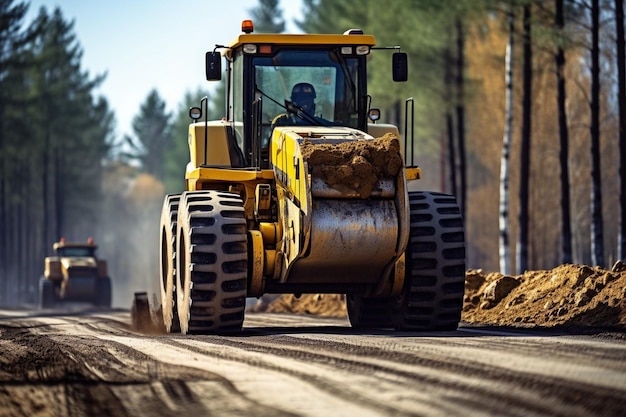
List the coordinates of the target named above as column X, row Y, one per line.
column 326, row 78
column 76, row 251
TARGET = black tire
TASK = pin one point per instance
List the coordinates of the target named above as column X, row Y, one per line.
column 169, row 219
column 368, row 313
column 47, row 298
column 103, row 292
column 212, row 262
column 432, row 297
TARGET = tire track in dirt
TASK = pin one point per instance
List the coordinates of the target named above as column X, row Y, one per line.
column 60, row 375
column 296, row 365
column 509, row 392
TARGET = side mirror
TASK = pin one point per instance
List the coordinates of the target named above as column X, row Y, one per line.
column 400, row 66
column 213, row 66
column 195, row 113
column 374, row 115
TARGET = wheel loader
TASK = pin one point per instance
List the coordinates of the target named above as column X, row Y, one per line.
column 74, row 274
column 318, row 203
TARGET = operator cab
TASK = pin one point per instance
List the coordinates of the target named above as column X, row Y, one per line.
column 75, row 250
column 264, row 70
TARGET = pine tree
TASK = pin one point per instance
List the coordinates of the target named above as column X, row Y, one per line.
column 152, row 135
column 12, row 39
column 268, row 17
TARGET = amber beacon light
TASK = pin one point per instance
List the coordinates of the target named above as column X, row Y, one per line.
column 247, row 26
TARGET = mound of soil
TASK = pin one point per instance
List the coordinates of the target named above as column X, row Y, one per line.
column 356, row 165
column 326, row 305
column 568, row 295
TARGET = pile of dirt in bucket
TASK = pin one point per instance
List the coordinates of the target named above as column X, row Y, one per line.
column 355, row 165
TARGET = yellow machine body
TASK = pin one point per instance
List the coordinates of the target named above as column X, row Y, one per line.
column 76, row 272
column 260, row 214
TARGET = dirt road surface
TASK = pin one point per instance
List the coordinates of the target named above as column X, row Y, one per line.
column 90, row 363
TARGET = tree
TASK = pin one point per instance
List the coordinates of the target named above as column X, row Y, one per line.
column 11, row 39
column 566, row 231
column 460, row 113
column 597, row 245
column 621, row 102
column 505, row 258
column 152, row 135
column 72, row 128
column 268, row 17
column 54, row 137
column 525, row 156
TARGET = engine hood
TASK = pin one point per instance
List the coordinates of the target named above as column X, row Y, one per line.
column 78, row 262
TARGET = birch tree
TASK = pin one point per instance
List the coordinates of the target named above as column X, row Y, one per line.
column 505, row 258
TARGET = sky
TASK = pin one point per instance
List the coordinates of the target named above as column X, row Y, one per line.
column 153, row 44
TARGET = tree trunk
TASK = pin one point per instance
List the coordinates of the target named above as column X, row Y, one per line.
column 448, row 82
column 460, row 114
column 58, row 196
column 3, row 238
column 566, row 230
column 621, row 74
column 505, row 256
column 522, row 246
column 451, row 153
column 597, row 246
column 44, row 190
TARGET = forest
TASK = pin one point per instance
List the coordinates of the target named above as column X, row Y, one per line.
column 520, row 108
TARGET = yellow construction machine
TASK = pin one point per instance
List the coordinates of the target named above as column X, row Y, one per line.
column 298, row 190
column 74, row 274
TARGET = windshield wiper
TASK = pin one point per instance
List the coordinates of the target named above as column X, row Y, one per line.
column 347, row 76
column 293, row 108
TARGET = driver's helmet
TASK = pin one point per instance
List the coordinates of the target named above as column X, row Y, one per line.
column 303, row 94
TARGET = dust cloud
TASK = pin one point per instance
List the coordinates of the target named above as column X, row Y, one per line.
column 130, row 234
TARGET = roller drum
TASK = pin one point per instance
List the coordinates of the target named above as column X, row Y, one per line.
column 80, row 289
column 352, row 240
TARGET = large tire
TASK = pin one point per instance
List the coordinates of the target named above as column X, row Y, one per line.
column 47, row 297
column 169, row 218
column 212, row 264
column 432, row 297
column 103, row 292
column 368, row 313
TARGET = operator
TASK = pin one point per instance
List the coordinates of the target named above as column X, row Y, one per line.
column 303, row 96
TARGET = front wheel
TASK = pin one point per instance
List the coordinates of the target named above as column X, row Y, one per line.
column 47, row 297
column 432, row 297
column 212, row 264
column 103, row 292
column 368, row 313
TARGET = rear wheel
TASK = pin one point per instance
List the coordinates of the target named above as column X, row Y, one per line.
column 46, row 293
column 103, row 292
column 432, row 297
column 367, row 313
column 169, row 218
column 212, row 264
